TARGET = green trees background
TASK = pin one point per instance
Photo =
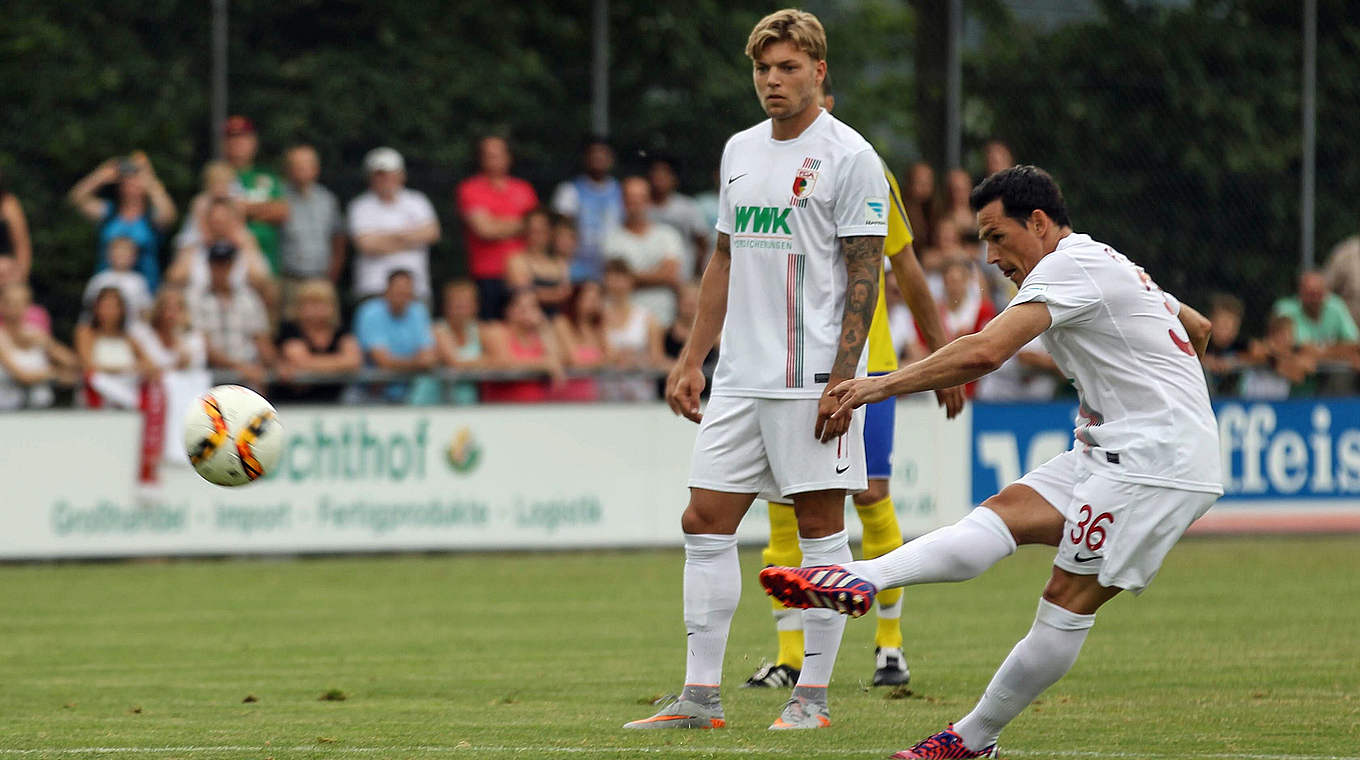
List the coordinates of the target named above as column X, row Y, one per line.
column 1174, row 130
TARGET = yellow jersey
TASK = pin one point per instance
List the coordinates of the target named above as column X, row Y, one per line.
column 882, row 357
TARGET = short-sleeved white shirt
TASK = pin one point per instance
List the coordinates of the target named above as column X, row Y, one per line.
column 1145, row 415
column 646, row 252
column 368, row 213
column 785, row 204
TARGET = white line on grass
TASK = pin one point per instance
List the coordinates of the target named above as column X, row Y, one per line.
column 456, row 749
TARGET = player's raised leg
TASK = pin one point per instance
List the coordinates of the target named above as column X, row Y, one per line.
column 1017, row 515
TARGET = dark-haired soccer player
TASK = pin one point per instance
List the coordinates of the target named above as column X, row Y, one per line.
column 1144, row 464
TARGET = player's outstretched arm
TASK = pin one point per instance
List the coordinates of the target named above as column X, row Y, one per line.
column 863, row 256
column 962, row 361
column 911, row 279
column 686, row 380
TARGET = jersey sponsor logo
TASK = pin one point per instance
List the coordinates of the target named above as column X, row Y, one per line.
column 804, row 181
column 875, row 211
column 730, row 180
column 762, row 220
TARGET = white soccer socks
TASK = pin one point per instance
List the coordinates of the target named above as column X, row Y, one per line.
column 1036, row 663
column 712, row 590
column 822, row 628
column 953, row 553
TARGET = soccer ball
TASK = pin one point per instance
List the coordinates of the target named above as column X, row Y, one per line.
column 232, row 436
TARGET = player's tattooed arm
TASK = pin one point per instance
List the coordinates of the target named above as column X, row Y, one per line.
column 863, row 259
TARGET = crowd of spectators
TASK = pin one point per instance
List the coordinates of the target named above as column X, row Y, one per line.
column 589, row 297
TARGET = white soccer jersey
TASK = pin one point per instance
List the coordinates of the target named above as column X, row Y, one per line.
column 1145, row 415
column 785, row 204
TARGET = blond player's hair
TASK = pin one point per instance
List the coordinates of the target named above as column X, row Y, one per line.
column 789, row 25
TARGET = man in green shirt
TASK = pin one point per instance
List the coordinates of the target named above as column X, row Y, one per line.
column 1321, row 319
column 261, row 189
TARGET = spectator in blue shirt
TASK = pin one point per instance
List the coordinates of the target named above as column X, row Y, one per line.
column 142, row 210
column 394, row 332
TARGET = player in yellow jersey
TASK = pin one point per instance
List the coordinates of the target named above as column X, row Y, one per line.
column 874, row 506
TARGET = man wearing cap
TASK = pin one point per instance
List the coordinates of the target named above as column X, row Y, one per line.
column 392, row 227
column 233, row 319
column 266, row 209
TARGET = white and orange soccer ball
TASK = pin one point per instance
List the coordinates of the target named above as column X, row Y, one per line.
column 232, row 436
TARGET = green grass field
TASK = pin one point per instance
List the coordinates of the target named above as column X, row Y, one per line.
column 1242, row 648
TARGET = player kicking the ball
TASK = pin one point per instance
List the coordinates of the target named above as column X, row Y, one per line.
column 1143, row 467
column 803, row 210
column 874, row 505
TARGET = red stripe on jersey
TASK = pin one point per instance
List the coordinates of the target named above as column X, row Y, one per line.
column 791, row 310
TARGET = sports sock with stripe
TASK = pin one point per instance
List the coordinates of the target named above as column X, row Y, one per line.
column 822, row 628
column 1045, row 654
column 712, row 590
column 882, row 534
column 953, row 553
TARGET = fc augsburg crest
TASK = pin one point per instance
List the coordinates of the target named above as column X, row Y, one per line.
column 804, row 181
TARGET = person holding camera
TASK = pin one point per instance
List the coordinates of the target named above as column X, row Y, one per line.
column 140, row 209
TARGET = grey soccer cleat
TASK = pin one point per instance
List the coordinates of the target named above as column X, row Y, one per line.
column 801, row 712
column 682, row 713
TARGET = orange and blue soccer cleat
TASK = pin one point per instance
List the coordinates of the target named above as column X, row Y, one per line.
column 945, row 744
column 828, row 586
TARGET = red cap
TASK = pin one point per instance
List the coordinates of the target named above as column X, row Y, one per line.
column 238, row 125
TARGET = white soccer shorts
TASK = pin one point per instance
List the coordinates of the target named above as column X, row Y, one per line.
column 766, row 446
column 1118, row 531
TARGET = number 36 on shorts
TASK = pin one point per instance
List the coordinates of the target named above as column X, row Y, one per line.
column 1090, row 528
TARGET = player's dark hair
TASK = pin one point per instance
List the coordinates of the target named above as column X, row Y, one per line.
column 1022, row 189
column 395, row 273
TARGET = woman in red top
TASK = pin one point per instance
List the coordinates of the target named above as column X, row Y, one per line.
column 523, row 341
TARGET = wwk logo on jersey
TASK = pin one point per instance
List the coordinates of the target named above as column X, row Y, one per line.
column 762, row 219
column 804, row 181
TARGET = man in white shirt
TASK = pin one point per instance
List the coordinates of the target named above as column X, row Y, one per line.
column 655, row 252
column 792, row 286
column 1144, row 464
column 392, row 226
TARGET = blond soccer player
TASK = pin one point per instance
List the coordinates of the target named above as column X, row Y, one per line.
column 874, row 506
column 791, row 287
